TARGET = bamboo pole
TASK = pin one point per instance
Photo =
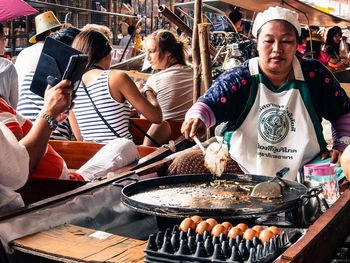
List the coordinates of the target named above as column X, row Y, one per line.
column 195, row 50
column 203, row 31
column 166, row 12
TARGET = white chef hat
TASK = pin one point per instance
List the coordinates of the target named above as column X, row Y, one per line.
column 276, row 13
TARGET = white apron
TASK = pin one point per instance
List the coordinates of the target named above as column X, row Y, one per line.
column 279, row 127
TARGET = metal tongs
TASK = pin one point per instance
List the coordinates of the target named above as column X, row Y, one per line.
column 271, row 189
column 199, row 144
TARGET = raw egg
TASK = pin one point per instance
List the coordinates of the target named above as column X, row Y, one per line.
column 202, row 227
column 197, row 219
column 249, row 234
column 218, row 229
column 212, row 222
column 266, row 235
column 234, row 232
column 275, row 230
column 186, row 224
column 258, row 228
column 226, row 224
column 242, row 226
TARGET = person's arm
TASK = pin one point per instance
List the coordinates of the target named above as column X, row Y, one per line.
column 57, row 100
column 330, row 102
column 223, row 102
column 345, row 162
column 147, row 105
column 197, row 119
column 14, row 160
column 75, row 126
column 13, row 85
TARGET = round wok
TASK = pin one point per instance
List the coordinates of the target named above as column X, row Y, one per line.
column 186, row 195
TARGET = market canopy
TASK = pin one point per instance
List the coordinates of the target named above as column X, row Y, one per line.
column 11, row 9
column 307, row 13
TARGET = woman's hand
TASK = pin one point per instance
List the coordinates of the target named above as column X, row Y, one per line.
column 191, row 127
column 333, row 154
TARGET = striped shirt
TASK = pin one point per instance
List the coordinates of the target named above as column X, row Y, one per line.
column 115, row 113
column 30, row 105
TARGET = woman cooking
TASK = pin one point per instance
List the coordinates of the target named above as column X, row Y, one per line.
column 272, row 105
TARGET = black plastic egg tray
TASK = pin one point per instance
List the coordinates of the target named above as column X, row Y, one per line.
column 178, row 246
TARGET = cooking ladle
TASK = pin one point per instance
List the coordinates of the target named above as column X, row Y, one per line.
column 270, row 189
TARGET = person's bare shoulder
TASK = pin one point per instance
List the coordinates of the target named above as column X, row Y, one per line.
column 118, row 76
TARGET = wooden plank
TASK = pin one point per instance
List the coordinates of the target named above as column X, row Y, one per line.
column 324, row 236
column 70, row 242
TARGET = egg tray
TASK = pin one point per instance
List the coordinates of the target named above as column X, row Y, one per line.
column 179, row 246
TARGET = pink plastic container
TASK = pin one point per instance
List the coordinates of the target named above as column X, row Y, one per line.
column 324, row 175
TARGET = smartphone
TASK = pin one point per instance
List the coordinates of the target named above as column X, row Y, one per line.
column 75, row 69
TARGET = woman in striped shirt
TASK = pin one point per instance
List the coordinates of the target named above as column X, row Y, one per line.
column 102, row 105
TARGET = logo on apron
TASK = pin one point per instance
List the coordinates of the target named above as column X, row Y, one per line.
column 273, row 125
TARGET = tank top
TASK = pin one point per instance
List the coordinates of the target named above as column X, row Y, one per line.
column 115, row 113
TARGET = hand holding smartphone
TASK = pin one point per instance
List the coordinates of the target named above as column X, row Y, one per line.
column 74, row 71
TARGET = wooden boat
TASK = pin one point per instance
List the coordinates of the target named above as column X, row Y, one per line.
column 66, row 193
column 77, row 153
column 117, row 246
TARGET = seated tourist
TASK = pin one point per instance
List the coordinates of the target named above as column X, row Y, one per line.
column 332, row 48
column 19, row 158
column 102, row 105
column 116, row 154
column 30, row 104
column 172, row 84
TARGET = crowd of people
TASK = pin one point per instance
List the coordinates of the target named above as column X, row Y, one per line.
column 266, row 104
column 101, row 112
column 331, row 49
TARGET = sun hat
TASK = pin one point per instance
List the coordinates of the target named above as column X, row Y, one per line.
column 276, row 13
column 44, row 22
column 315, row 37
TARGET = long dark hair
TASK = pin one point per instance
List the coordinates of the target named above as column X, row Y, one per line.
column 92, row 43
column 168, row 42
column 329, row 40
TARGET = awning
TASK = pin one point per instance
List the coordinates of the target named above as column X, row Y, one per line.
column 307, row 13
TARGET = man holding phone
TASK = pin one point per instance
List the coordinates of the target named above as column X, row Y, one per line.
column 30, row 104
column 19, row 158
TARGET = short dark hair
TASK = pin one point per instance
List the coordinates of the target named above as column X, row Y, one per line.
column 2, row 29
column 235, row 16
column 66, row 35
column 131, row 29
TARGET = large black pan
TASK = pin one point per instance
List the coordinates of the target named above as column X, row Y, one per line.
column 186, row 195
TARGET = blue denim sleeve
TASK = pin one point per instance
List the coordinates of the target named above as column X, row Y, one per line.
column 228, row 94
column 329, row 99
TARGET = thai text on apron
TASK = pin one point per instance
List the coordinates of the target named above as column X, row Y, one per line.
column 279, row 126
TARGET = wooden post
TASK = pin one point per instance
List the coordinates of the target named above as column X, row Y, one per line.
column 195, row 50
column 203, row 31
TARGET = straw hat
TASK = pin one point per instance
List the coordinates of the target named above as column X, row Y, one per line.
column 44, row 22
column 315, row 37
